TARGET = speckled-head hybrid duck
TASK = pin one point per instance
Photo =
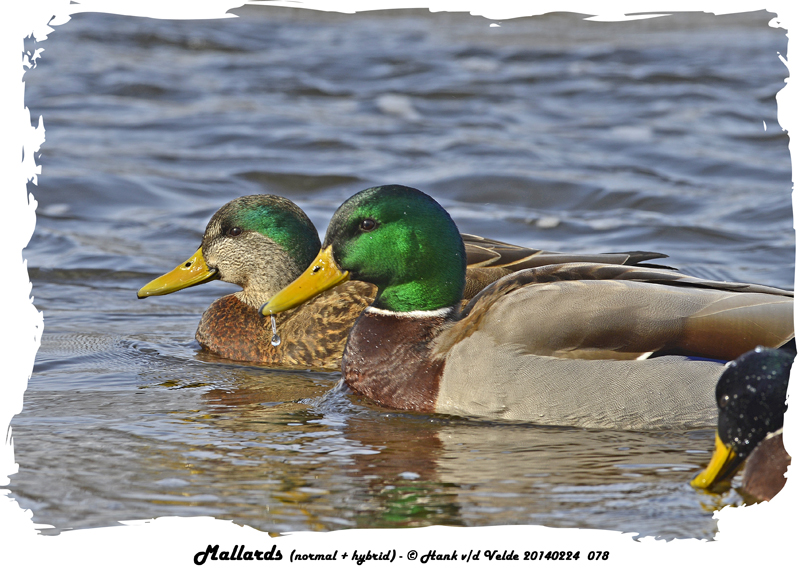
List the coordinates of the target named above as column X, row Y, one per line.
column 578, row 344
column 751, row 396
column 263, row 242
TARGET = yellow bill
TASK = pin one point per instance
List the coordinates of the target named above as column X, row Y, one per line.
column 723, row 465
column 192, row 272
column 321, row 275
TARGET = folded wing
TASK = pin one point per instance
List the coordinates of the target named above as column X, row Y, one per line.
column 601, row 311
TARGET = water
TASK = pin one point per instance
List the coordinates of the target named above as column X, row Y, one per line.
column 549, row 132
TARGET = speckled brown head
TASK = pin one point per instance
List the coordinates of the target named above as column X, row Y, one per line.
column 259, row 242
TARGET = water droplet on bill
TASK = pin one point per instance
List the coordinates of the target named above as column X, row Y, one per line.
column 276, row 339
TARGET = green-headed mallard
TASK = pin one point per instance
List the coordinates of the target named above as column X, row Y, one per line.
column 580, row 344
column 751, row 396
column 263, row 242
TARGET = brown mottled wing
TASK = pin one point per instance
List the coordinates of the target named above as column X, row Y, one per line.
column 600, row 311
column 479, row 278
column 488, row 260
column 319, row 329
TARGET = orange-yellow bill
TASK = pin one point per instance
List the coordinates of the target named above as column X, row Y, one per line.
column 322, row 274
column 721, row 468
column 192, row 272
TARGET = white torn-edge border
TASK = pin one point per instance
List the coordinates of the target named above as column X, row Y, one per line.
column 761, row 535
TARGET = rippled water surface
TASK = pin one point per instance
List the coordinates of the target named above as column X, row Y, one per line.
column 550, row 132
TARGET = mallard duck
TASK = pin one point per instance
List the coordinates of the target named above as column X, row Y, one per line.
column 751, row 396
column 263, row 242
column 578, row 344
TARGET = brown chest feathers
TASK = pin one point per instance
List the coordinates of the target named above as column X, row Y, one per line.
column 388, row 359
column 312, row 335
column 764, row 473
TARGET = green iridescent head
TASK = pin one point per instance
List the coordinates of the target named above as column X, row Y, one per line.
column 404, row 242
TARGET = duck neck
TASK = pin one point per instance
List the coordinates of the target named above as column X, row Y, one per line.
column 389, row 357
column 256, row 297
column 265, row 280
column 440, row 289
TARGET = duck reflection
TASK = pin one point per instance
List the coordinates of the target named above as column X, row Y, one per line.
column 287, row 450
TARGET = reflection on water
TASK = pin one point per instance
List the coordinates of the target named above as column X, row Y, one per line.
column 550, row 132
column 282, row 452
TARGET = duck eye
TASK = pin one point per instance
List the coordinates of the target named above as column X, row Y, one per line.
column 235, row 231
column 723, row 400
column 367, row 225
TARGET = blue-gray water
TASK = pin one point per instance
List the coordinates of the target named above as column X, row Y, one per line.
column 550, row 132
